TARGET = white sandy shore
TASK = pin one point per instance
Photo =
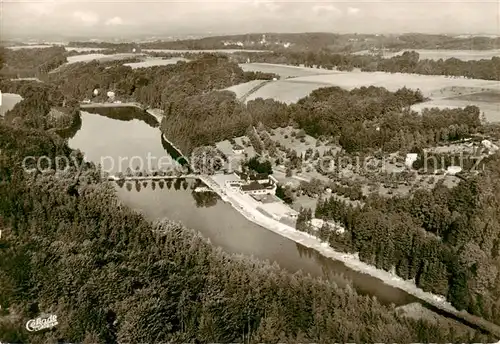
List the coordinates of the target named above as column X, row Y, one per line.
column 243, row 204
column 247, row 207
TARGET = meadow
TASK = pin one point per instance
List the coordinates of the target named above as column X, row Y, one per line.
column 150, row 62
column 99, row 57
column 436, row 54
column 284, row 71
column 243, row 89
column 195, row 51
column 83, row 49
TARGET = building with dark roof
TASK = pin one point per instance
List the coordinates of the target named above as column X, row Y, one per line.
column 261, row 178
column 256, row 188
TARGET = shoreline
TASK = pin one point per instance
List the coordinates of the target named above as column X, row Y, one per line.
column 157, row 113
column 351, row 261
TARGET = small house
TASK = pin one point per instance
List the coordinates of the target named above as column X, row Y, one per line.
column 453, row 170
column 410, row 159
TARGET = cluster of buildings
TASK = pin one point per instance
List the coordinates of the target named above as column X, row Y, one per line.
column 109, row 94
column 262, row 41
column 261, row 187
column 255, row 184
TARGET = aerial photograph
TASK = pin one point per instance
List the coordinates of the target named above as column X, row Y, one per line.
column 253, row 171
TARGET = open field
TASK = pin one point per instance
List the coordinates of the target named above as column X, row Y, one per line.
column 436, row 54
column 393, row 81
column 488, row 97
column 37, row 46
column 83, row 49
column 31, row 46
column 284, row 71
column 100, row 57
column 491, row 110
column 245, row 89
column 182, row 51
column 444, row 92
column 150, row 62
column 9, row 100
column 286, row 91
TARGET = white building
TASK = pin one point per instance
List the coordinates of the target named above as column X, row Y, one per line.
column 410, row 159
column 452, row 170
column 255, row 188
column 317, row 224
column 490, row 146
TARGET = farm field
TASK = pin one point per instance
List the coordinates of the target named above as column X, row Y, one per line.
column 284, row 71
column 436, row 54
column 286, row 91
column 444, row 92
column 181, row 51
column 491, row 110
column 37, row 46
column 100, row 57
column 31, row 46
column 243, row 88
column 150, row 62
column 487, row 96
column 393, row 81
column 83, row 49
column 9, row 100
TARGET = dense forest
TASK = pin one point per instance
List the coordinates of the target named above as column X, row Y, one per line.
column 34, row 62
column 68, row 247
column 444, row 239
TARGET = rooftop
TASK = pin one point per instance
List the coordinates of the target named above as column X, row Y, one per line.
column 259, row 176
column 253, row 186
column 256, row 186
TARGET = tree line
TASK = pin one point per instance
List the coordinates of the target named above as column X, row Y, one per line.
column 407, row 62
column 328, row 42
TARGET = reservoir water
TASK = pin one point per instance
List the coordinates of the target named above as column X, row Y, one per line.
column 105, row 138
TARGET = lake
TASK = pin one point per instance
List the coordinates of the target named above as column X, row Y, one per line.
column 119, row 141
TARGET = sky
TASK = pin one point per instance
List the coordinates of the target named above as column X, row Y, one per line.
column 20, row 18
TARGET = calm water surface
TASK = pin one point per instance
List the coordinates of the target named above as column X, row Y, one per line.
column 103, row 139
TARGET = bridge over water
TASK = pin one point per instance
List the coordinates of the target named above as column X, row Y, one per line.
column 146, row 178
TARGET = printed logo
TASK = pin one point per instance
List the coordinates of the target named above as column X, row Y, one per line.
column 42, row 323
